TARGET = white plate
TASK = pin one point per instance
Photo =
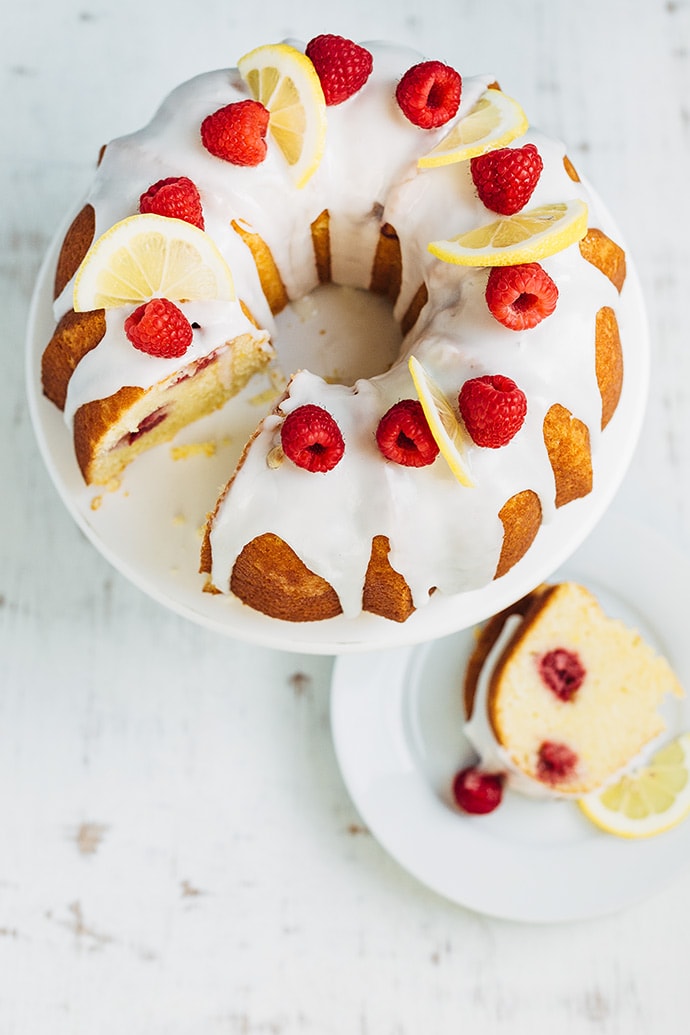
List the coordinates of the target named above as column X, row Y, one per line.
column 397, row 728
column 149, row 529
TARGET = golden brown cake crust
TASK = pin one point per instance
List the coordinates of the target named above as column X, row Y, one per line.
column 269, row 276
column 609, row 362
column 487, row 636
column 270, row 577
column 596, row 247
column 321, row 243
column 570, row 169
column 75, row 335
column 76, row 244
column 93, row 421
column 386, row 273
column 419, row 300
column 567, row 442
column 521, row 518
column 386, row 592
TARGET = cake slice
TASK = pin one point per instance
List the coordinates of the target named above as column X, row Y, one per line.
column 569, row 695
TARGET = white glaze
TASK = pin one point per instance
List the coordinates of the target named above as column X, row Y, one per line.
column 493, row 757
column 442, row 535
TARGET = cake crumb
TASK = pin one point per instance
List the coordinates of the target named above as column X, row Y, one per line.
column 275, row 457
column 96, row 503
column 179, row 519
column 193, row 449
column 265, row 397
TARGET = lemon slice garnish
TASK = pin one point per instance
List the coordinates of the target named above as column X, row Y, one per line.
column 649, row 801
column 449, row 434
column 285, row 81
column 525, row 237
column 494, row 121
column 147, row 256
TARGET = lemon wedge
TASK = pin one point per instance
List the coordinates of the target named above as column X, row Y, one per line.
column 449, row 434
column 649, row 801
column 494, row 121
column 147, row 256
column 284, row 80
column 524, row 237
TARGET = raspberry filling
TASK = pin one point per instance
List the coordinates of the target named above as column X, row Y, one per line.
column 556, row 763
column 148, row 424
column 563, row 672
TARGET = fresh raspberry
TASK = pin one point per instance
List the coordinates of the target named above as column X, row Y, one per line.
column 311, row 438
column 555, row 762
column 563, row 672
column 520, row 297
column 342, row 66
column 159, row 328
column 476, row 791
column 506, row 178
column 237, row 132
column 404, row 436
column 493, row 409
column 429, row 94
column 176, row 197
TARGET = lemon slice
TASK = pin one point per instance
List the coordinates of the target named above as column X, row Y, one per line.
column 449, row 434
column 494, row 121
column 285, row 81
column 649, row 801
column 524, row 237
column 147, row 256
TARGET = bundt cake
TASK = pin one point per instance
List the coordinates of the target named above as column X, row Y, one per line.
column 437, row 474
column 560, row 698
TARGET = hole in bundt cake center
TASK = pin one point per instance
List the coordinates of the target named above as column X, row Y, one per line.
column 339, row 333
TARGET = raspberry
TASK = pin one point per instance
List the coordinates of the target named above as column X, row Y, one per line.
column 342, row 66
column 429, row 94
column 493, row 409
column 237, row 132
column 312, row 439
column 159, row 328
column 555, row 762
column 506, row 178
column 563, row 672
column 520, row 297
column 176, row 197
column 403, row 435
column 477, row 792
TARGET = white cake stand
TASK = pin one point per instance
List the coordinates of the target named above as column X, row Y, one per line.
column 149, row 529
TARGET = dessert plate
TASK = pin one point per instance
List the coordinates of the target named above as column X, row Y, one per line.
column 397, row 728
column 149, row 528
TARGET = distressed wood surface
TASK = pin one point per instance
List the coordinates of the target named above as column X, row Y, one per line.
column 178, row 852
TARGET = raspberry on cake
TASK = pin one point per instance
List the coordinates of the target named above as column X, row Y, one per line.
column 403, row 435
column 505, row 179
column 311, row 439
column 303, row 166
column 176, row 197
column 561, row 698
column 342, row 66
column 521, row 296
column 159, row 328
column 237, row 133
column 493, row 409
column 429, row 94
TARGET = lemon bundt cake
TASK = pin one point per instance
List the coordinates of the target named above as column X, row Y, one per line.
column 369, row 167
column 560, row 698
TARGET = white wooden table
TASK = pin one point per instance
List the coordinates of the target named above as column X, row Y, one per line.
column 178, row 853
